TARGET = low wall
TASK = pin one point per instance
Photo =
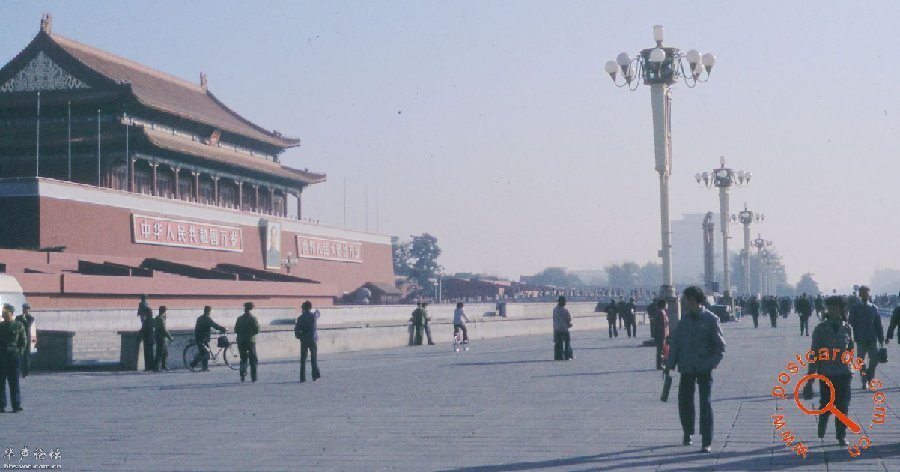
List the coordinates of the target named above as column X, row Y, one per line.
column 278, row 342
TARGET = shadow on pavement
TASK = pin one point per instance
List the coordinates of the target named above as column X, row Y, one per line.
column 533, row 361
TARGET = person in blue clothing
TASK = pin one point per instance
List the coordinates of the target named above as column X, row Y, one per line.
column 459, row 322
column 697, row 346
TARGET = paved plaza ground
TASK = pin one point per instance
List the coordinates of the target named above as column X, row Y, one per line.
column 502, row 406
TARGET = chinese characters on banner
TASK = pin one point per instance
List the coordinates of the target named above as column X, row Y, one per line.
column 329, row 249
column 190, row 234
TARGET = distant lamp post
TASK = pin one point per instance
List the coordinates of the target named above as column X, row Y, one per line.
column 724, row 178
column 746, row 218
column 435, row 282
column 660, row 67
column 762, row 252
column 289, row 262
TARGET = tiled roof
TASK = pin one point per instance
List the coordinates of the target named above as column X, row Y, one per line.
column 169, row 94
column 227, row 156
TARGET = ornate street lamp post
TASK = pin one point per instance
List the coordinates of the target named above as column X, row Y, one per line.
column 660, row 67
column 724, row 178
column 746, row 217
column 761, row 244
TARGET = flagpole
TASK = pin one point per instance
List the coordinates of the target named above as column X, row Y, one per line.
column 127, row 155
column 98, row 148
column 37, row 145
column 69, row 140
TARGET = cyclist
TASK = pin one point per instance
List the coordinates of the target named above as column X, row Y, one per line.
column 458, row 324
column 201, row 337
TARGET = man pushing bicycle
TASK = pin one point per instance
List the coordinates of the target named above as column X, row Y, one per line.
column 202, row 336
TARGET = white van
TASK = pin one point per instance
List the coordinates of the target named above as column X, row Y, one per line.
column 11, row 292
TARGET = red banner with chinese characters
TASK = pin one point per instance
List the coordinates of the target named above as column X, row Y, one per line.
column 190, row 234
column 329, row 249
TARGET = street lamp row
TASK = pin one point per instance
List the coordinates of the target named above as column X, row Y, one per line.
column 724, row 178
column 660, row 67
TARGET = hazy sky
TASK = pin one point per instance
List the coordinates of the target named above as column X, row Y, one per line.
column 493, row 126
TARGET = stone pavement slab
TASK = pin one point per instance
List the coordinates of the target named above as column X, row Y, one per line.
column 502, row 406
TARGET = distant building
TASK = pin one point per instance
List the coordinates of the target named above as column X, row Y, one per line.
column 687, row 249
column 145, row 183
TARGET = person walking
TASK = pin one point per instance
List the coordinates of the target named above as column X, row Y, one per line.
column 819, row 305
column 459, row 322
column 832, row 334
column 697, row 347
column 202, row 329
column 753, row 308
column 611, row 314
column 27, row 321
column 162, row 336
column 562, row 321
column 895, row 323
column 145, row 313
column 771, row 305
column 631, row 318
column 305, row 330
column 247, row 327
column 659, row 330
column 867, row 332
column 804, row 310
column 12, row 343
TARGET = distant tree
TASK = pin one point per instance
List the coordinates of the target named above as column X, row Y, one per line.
column 424, row 252
column 626, row 275
column 402, row 266
column 557, row 277
column 808, row 285
column 650, row 275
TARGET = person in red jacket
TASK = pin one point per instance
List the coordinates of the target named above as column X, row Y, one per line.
column 659, row 330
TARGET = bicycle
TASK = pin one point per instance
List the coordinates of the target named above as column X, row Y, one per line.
column 458, row 341
column 226, row 348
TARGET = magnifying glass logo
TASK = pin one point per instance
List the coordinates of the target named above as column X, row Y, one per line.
column 827, row 408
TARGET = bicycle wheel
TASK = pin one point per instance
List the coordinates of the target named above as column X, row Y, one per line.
column 231, row 357
column 189, row 355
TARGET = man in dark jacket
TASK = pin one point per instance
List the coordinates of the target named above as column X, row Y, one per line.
column 12, row 343
column 867, row 331
column 161, row 336
column 611, row 314
column 201, row 337
column 895, row 323
column 247, row 327
column 308, row 335
column 753, row 308
column 27, row 321
column 804, row 310
column 145, row 313
column 697, row 346
column 630, row 318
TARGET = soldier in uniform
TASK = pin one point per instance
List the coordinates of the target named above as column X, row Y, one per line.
column 771, row 304
column 201, row 337
column 247, row 327
column 145, row 313
column 819, row 305
column 425, row 326
column 27, row 321
column 418, row 321
column 12, row 343
column 308, row 335
column 161, row 336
